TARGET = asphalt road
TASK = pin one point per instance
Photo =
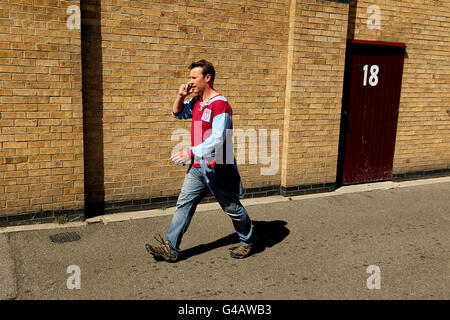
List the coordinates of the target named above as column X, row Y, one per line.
column 309, row 249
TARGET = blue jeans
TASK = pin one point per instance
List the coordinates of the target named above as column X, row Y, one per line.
column 194, row 189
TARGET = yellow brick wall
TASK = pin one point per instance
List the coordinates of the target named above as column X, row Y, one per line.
column 147, row 47
column 41, row 140
column 312, row 121
column 423, row 133
column 280, row 63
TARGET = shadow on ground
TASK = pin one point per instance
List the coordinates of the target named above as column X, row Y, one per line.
column 269, row 233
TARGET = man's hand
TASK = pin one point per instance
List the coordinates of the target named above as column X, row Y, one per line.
column 185, row 90
column 181, row 157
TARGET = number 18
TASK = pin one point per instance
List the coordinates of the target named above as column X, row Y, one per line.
column 373, row 79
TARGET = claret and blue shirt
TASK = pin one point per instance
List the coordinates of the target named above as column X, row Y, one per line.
column 211, row 137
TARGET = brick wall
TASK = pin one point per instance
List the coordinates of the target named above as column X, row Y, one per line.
column 41, row 141
column 147, row 47
column 318, row 41
column 423, row 133
column 280, row 63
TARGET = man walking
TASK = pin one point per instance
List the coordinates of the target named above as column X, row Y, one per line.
column 210, row 168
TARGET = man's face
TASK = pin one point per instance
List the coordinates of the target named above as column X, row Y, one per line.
column 198, row 81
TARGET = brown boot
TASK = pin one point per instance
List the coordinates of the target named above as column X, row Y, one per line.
column 161, row 251
column 240, row 251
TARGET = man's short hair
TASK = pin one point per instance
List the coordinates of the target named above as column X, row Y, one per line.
column 207, row 68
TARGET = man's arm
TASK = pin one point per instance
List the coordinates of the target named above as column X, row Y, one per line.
column 184, row 91
column 182, row 110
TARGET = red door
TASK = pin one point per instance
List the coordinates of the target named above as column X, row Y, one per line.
column 370, row 111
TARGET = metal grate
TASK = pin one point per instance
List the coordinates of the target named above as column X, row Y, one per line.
column 65, row 237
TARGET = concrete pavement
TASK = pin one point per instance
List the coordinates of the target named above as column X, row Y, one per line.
column 8, row 285
column 312, row 247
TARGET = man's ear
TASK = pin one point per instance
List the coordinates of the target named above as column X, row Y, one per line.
column 208, row 78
